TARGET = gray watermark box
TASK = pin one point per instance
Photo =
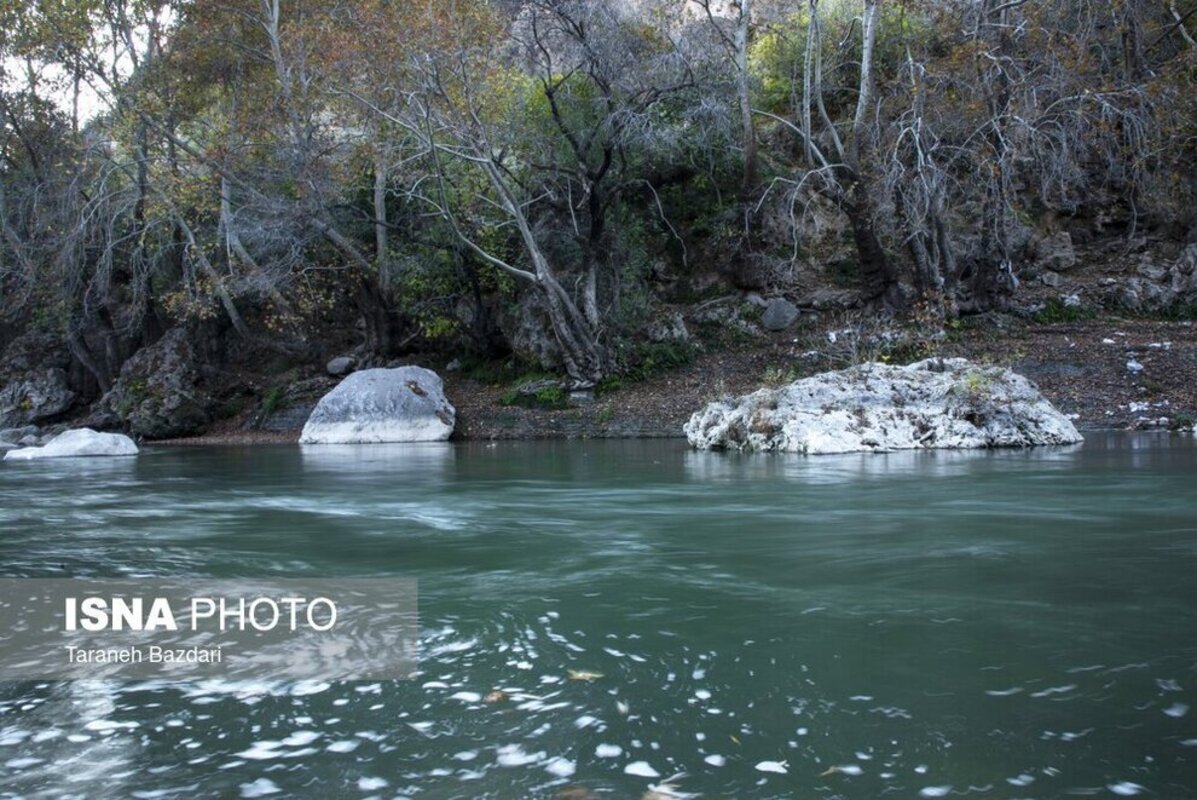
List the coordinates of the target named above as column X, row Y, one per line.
column 190, row 629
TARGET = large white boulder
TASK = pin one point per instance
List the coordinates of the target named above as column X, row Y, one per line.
column 78, row 442
column 937, row 403
column 406, row 404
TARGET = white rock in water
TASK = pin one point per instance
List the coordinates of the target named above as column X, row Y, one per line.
column 406, row 404
column 78, row 442
column 936, row 403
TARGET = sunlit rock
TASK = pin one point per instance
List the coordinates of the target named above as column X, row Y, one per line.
column 78, row 442
column 406, row 404
column 936, row 403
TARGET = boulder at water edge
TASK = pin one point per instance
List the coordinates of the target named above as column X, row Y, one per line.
column 406, row 404
column 78, row 442
column 937, row 403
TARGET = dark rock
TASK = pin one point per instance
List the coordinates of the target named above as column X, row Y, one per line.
column 285, row 420
column 37, row 395
column 32, row 351
column 14, row 435
column 1055, row 252
column 341, row 365
column 530, row 334
column 160, row 392
column 779, row 314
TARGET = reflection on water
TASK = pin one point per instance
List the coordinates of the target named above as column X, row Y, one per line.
column 425, row 461
column 625, row 615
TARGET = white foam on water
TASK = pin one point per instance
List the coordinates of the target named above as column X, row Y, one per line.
column 779, row 767
column 561, row 767
column 301, row 738
column 261, row 751
column 467, row 697
column 935, row 791
column 1126, row 789
column 608, row 751
column 370, row 784
column 262, row 787
column 641, row 769
column 109, row 725
column 715, row 760
column 1176, row 710
column 512, row 755
column 343, row 746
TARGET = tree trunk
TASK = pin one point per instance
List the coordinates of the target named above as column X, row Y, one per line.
column 878, row 278
column 748, row 180
column 381, row 244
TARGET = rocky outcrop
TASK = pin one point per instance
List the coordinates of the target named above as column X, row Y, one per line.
column 160, row 393
column 406, row 404
column 1157, row 286
column 527, row 328
column 77, row 443
column 36, row 396
column 937, row 403
column 34, row 385
column 667, row 326
column 1055, row 252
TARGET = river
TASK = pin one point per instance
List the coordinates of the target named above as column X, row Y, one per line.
column 994, row 624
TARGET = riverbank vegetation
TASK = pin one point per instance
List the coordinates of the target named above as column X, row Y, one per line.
column 202, row 188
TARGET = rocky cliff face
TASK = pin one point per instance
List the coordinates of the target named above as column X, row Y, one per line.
column 37, row 388
column 160, row 392
column 937, row 403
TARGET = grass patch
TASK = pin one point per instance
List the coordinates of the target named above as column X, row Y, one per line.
column 1056, row 312
column 272, row 400
column 536, row 390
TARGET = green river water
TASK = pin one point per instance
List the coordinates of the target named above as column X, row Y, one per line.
column 980, row 624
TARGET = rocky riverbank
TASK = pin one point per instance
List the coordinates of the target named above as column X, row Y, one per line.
column 1103, row 373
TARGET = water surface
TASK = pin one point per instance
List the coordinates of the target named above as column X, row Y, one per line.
column 989, row 624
